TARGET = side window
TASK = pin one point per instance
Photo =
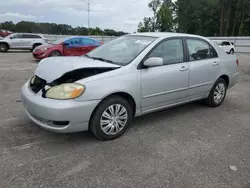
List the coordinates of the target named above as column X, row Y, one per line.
column 88, row 42
column 75, row 42
column 225, row 43
column 26, row 36
column 199, row 50
column 17, row 36
column 36, row 37
column 171, row 51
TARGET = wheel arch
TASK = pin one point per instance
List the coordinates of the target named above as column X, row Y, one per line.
column 37, row 43
column 126, row 96
column 226, row 78
column 3, row 42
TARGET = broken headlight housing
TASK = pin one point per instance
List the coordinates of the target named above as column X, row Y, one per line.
column 65, row 91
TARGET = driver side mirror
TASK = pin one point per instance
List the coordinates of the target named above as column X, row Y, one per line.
column 153, row 62
column 65, row 43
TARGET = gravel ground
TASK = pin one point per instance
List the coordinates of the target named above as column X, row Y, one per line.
column 184, row 147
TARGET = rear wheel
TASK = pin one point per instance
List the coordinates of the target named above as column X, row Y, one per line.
column 34, row 46
column 111, row 118
column 4, row 47
column 54, row 54
column 217, row 93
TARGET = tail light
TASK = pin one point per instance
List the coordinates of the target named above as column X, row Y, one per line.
column 237, row 62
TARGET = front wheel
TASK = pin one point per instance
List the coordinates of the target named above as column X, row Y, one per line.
column 54, row 54
column 111, row 118
column 3, row 47
column 231, row 51
column 217, row 93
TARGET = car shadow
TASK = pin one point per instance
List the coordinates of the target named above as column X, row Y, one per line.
column 36, row 61
column 18, row 51
column 166, row 113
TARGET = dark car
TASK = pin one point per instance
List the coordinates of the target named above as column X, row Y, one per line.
column 73, row 46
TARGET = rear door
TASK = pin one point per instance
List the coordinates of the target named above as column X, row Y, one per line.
column 88, row 45
column 204, row 67
column 28, row 40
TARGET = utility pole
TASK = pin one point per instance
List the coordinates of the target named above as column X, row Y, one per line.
column 88, row 15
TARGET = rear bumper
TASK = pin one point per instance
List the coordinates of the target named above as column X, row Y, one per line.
column 234, row 79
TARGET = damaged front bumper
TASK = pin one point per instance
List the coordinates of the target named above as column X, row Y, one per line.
column 61, row 116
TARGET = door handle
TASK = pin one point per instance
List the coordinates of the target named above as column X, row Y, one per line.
column 183, row 68
column 215, row 63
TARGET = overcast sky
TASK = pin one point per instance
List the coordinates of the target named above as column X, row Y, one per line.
column 121, row 15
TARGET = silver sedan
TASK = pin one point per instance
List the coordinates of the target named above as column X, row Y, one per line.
column 130, row 76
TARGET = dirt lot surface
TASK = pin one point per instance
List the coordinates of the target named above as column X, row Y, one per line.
column 184, row 147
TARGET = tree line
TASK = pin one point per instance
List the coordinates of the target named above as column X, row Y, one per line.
column 57, row 29
column 202, row 17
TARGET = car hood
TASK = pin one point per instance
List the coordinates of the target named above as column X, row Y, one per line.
column 45, row 46
column 52, row 68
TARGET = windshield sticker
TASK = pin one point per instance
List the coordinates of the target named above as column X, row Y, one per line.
column 145, row 42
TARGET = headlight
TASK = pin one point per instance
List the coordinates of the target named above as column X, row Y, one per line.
column 65, row 91
column 44, row 49
column 32, row 80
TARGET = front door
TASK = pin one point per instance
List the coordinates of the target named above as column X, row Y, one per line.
column 16, row 41
column 168, row 84
column 73, row 47
column 204, row 67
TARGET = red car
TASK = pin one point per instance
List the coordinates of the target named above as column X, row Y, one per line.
column 73, row 46
column 4, row 33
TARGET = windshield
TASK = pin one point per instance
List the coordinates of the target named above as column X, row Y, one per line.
column 122, row 50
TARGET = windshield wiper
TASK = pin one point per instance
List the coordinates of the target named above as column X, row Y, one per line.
column 100, row 59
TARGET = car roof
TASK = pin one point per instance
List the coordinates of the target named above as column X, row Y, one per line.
column 29, row 34
column 83, row 37
column 165, row 34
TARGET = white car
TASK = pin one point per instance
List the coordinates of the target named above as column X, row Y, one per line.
column 227, row 46
column 26, row 41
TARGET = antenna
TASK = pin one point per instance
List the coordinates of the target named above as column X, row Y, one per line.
column 88, row 14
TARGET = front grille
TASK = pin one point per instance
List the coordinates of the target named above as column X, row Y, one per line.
column 37, row 84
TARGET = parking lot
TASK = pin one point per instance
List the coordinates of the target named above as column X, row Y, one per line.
column 184, row 147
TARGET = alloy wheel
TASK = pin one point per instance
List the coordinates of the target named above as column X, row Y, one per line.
column 113, row 119
column 219, row 93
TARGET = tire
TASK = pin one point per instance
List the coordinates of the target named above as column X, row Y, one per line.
column 4, row 47
column 55, row 54
column 118, row 126
column 215, row 100
column 231, row 51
